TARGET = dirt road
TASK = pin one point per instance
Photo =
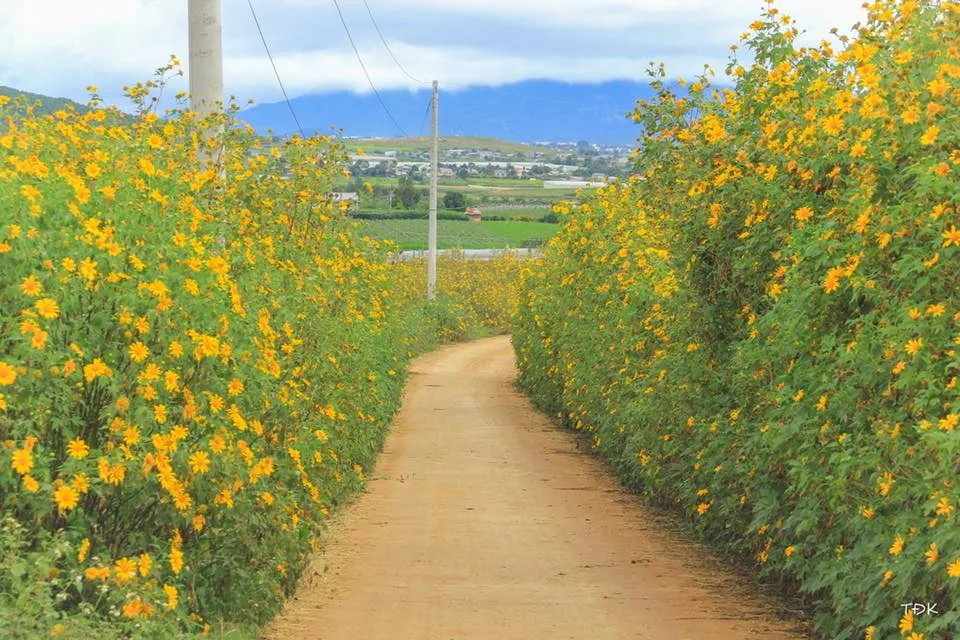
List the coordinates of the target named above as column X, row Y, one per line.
column 482, row 520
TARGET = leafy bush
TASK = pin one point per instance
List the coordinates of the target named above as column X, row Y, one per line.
column 486, row 288
column 762, row 330
column 197, row 364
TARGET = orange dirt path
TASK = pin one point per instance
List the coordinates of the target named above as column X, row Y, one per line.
column 482, row 520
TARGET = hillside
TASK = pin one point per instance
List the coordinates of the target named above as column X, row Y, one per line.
column 530, row 111
column 48, row 104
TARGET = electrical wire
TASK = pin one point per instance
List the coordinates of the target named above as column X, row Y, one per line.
column 387, row 47
column 275, row 72
column 366, row 73
column 423, row 122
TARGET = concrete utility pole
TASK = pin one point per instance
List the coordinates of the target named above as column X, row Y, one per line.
column 205, row 59
column 432, row 233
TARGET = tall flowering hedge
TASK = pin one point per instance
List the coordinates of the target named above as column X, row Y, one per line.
column 197, row 363
column 761, row 327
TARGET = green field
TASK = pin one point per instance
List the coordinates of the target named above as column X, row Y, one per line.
column 517, row 193
column 480, row 192
column 451, row 234
column 519, row 183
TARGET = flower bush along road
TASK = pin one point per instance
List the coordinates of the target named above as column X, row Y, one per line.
column 761, row 328
column 195, row 367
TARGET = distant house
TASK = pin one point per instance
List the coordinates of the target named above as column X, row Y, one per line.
column 474, row 214
column 446, row 172
column 499, row 173
column 351, row 198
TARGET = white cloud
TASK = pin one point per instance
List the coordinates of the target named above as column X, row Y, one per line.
column 250, row 75
column 60, row 46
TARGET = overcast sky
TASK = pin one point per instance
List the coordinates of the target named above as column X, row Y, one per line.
column 59, row 47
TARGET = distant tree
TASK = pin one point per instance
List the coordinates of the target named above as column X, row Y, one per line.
column 454, row 200
column 407, row 193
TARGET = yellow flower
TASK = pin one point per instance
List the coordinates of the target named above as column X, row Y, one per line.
column 39, row 339
column 47, row 308
column 154, row 141
column 144, row 563
column 176, row 560
column 139, row 352
column 200, row 462
column 137, row 607
column 913, row 346
column 885, row 483
column 217, row 444
column 951, row 237
column 30, row 484
column 88, row 269
column 66, row 498
column 172, row 598
column 906, row 623
column 953, row 570
column 930, row 135
column 84, row 550
column 97, row 573
column 235, row 387
column 832, row 124
column 7, row 374
column 78, row 449
column 22, row 461
column 897, row 547
column 938, row 88
column 832, row 282
column 31, row 286
column 932, row 553
column 96, row 369
column 124, row 570
column 949, row 423
column 80, row 483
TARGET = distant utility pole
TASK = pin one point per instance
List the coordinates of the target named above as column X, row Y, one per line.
column 206, row 59
column 432, row 232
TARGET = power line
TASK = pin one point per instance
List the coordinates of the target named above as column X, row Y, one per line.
column 424, row 121
column 367, row 74
column 387, row 47
column 272, row 64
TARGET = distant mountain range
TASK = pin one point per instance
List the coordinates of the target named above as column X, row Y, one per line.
column 529, row 111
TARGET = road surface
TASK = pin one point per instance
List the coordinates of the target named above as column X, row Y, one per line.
column 483, row 520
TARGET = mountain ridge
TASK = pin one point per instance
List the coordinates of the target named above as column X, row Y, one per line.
column 528, row 111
